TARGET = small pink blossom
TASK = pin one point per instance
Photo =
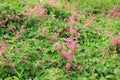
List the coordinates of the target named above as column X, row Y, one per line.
column 64, row 53
column 68, row 65
column 67, row 29
column 10, row 29
column 42, row 12
column 6, row 16
column 13, row 16
column 67, row 39
column 69, row 56
column 22, row 30
column 115, row 41
column 77, row 38
column 73, row 46
column 3, row 52
column 3, row 45
column 114, row 12
column 30, row 79
column 73, row 17
column 3, row 22
column 57, row 46
column 87, row 22
column 54, row 37
column 18, row 36
column 65, row 20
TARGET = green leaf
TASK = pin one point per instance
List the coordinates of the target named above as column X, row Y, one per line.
column 109, row 76
column 15, row 78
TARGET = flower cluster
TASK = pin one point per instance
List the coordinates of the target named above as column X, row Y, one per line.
column 68, row 48
column 3, row 48
column 115, row 45
column 115, row 12
column 11, row 17
column 37, row 11
column 115, row 41
column 22, row 30
column 6, row 17
column 69, row 45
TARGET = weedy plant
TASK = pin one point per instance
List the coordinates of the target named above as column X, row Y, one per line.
column 67, row 40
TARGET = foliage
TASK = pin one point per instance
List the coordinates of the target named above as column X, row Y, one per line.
column 76, row 44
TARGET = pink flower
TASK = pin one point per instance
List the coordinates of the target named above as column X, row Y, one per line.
column 65, row 20
column 13, row 16
column 114, row 12
column 54, row 37
column 18, row 36
column 10, row 29
column 3, row 45
column 115, row 41
column 69, row 56
column 3, row 22
column 67, row 29
column 6, row 16
column 73, row 17
column 22, row 29
column 30, row 79
column 73, row 46
column 64, row 53
column 42, row 12
column 87, row 22
column 57, row 46
column 68, row 65
column 67, row 39
column 3, row 52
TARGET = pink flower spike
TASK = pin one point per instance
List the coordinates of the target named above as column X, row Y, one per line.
column 68, row 65
column 64, row 53
column 43, row 12
column 6, row 16
column 69, row 58
column 67, row 39
column 22, row 30
column 18, row 36
column 3, row 45
column 3, row 22
column 73, row 46
column 73, row 17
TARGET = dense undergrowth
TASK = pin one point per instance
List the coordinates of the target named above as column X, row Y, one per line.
column 59, row 40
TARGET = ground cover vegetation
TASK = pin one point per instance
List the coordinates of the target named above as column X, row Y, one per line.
column 59, row 39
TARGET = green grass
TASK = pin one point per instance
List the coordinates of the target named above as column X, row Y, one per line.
column 33, row 55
